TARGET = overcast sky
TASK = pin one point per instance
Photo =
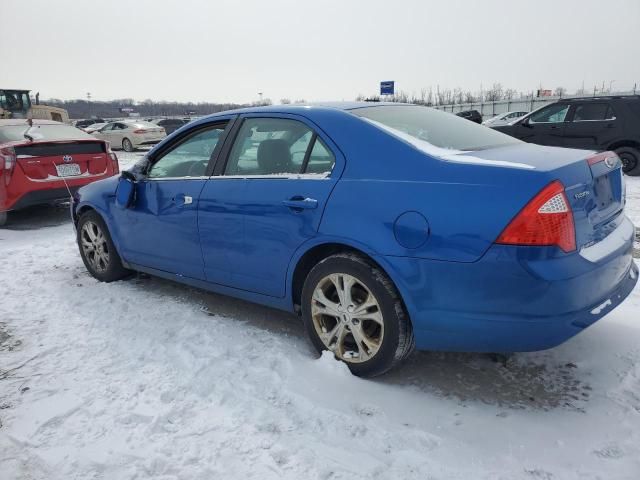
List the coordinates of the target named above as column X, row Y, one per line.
column 198, row 50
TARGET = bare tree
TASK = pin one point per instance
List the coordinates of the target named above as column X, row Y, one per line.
column 494, row 93
column 510, row 94
column 285, row 101
column 560, row 92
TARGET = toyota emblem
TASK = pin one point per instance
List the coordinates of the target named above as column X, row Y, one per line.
column 610, row 162
column 67, row 159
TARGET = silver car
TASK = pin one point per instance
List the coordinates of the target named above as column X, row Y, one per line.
column 129, row 135
column 504, row 118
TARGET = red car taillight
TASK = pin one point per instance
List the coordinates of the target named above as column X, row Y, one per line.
column 140, row 130
column 546, row 220
column 113, row 158
column 7, row 163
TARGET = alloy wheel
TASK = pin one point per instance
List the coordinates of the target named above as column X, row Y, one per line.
column 347, row 317
column 95, row 247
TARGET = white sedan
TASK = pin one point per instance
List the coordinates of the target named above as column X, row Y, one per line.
column 129, row 135
column 504, row 118
column 94, row 127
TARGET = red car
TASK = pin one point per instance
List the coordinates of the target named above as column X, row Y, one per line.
column 41, row 161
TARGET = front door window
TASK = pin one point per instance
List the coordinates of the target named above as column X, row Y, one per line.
column 190, row 158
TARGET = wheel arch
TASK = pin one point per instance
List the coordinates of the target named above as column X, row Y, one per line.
column 317, row 252
column 624, row 143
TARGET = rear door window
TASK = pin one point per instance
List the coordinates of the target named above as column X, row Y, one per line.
column 592, row 112
column 274, row 147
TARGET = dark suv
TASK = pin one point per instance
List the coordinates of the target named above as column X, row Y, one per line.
column 597, row 123
column 472, row 115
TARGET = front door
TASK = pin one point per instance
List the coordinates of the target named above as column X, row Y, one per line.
column 267, row 202
column 163, row 223
column 546, row 126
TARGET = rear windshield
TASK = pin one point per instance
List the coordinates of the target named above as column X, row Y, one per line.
column 13, row 133
column 441, row 129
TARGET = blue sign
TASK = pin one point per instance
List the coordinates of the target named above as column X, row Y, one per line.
column 386, row 88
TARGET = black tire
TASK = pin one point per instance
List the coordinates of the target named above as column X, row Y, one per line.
column 396, row 343
column 127, row 146
column 630, row 160
column 105, row 271
column 3, row 218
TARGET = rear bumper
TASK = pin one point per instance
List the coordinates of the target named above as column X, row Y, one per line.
column 23, row 192
column 39, row 197
column 142, row 142
column 513, row 299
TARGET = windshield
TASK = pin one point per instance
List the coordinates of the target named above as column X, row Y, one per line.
column 441, row 129
column 14, row 133
column 14, row 100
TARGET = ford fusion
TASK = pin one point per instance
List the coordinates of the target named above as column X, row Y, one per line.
column 384, row 226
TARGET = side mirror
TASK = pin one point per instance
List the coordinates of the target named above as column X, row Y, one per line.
column 524, row 122
column 126, row 190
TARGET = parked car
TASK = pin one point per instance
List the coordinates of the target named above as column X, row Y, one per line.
column 170, row 125
column 473, row 115
column 504, row 118
column 129, row 135
column 597, row 123
column 385, row 226
column 82, row 124
column 47, row 161
column 94, row 127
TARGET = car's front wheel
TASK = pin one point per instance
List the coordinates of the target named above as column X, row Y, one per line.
column 127, row 146
column 351, row 308
column 630, row 158
column 97, row 249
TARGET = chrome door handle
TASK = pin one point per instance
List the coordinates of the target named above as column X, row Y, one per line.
column 182, row 200
column 300, row 203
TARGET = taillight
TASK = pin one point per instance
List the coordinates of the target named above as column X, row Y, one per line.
column 114, row 159
column 7, row 163
column 140, row 130
column 546, row 220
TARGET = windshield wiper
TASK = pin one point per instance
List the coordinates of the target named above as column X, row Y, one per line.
column 26, row 132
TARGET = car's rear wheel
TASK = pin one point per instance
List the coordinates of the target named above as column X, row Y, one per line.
column 351, row 308
column 630, row 158
column 97, row 249
column 127, row 146
column 3, row 218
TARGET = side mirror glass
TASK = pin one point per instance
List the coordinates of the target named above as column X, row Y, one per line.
column 125, row 192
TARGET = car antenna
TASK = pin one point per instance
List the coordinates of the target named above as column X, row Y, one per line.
column 26, row 132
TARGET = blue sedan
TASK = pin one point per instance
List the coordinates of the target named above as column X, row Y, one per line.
column 384, row 226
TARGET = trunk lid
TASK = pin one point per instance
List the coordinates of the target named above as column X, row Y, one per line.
column 593, row 181
column 50, row 161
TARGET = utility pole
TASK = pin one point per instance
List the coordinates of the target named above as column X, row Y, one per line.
column 89, row 103
column 610, row 84
column 260, row 95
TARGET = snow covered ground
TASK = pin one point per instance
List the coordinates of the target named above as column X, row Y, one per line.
column 149, row 379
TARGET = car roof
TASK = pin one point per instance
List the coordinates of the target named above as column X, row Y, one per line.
column 602, row 97
column 303, row 108
column 5, row 122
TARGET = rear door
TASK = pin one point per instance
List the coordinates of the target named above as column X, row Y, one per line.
column 266, row 201
column 591, row 125
column 162, row 226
